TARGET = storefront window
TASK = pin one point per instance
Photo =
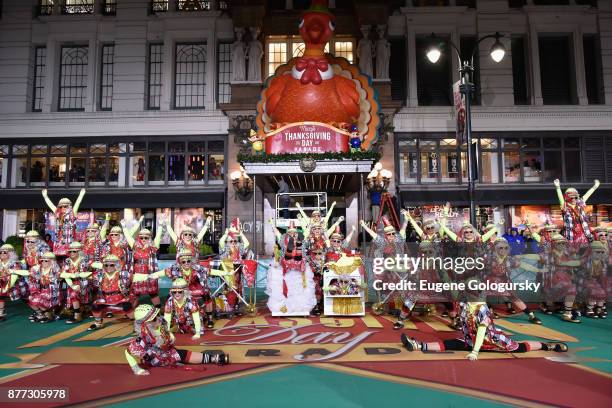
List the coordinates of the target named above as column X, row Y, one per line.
column 553, row 169
column 489, row 167
column 215, row 168
column 113, row 170
column 57, row 171
column 96, row 174
column 449, row 160
column 408, row 163
column 532, row 166
column 3, row 165
column 197, row 162
column 38, row 171
column 157, row 164
column 138, row 163
column 20, row 165
column 76, row 174
column 511, row 160
column 176, row 162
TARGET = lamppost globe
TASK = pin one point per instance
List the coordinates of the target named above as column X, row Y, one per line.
column 497, row 51
column 434, row 54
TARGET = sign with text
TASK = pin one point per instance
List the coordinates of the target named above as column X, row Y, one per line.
column 459, row 102
column 307, row 137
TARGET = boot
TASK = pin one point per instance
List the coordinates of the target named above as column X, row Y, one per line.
column 409, row 343
column 570, row 317
column 545, row 309
column 214, row 358
column 533, row 318
column 316, row 311
column 32, row 317
column 601, row 313
column 399, row 324
column 210, row 323
column 37, row 317
column 590, row 313
column 555, row 346
column 509, row 308
column 76, row 318
column 97, row 324
column 47, row 317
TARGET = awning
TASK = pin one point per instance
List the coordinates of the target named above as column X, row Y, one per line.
column 118, row 198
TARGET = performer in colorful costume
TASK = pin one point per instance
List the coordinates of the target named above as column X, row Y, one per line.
column 33, row 249
column 197, row 279
column 596, row 282
column 75, row 272
column 9, row 262
column 314, row 247
column 188, row 241
column 430, row 274
column 338, row 245
column 93, row 241
column 558, row 279
column 577, row 230
column 154, row 345
column 65, row 221
column 144, row 262
column 428, row 232
column 44, row 284
column 480, row 334
column 181, row 312
column 315, row 218
column 499, row 265
column 291, row 287
column 391, row 243
column 113, row 285
column 234, row 246
column 117, row 244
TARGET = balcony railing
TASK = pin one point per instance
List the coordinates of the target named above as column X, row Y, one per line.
column 161, row 6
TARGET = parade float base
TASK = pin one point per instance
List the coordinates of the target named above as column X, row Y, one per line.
column 305, row 362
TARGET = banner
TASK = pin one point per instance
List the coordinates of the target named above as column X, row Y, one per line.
column 459, row 113
column 307, row 137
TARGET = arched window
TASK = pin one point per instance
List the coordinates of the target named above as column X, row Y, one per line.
column 73, row 78
column 190, row 76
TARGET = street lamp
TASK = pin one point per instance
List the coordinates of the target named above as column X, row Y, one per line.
column 243, row 185
column 378, row 180
column 466, row 70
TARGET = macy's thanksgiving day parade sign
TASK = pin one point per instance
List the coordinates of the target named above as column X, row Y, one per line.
column 316, row 103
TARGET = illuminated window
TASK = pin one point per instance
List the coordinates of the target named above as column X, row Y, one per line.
column 278, row 49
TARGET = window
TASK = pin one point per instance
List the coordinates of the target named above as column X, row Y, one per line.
column 397, row 69
column 155, row 76
column 532, row 160
column 19, row 164
column 109, row 7
column 593, row 69
column 430, row 161
column 3, row 165
column 433, row 80
column 224, row 71
column 157, row 163
column 556, row 70
column 277, row 56
column 73, row 78
column 40, row 61
column 278, row 48
column 489, row 162
column 216, row 162
column 197, row 162
column 106, row 79
column 45, row 7
column 511, row 160
column 190, row 76
column 78, row 164
column 38, row 165
column 519, row 71
column 78, row 7
column 96, row 175
column 176, row 162
column 138, row 164
column 57, row 165
column 408, row 163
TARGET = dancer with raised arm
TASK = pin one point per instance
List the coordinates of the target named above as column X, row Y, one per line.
column 573, row 208
column 188, row 240
column 65, row 221
column 144, row 262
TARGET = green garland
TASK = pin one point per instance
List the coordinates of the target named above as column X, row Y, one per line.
column 288, row 157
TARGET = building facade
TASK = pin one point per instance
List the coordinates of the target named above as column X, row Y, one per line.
column 135, row 101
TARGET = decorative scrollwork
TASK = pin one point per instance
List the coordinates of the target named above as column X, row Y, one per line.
column 240, row 127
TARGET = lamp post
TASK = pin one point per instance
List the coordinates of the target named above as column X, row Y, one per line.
column 378, row 180
column 467, row 88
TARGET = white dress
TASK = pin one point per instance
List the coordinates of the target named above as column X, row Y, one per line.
column 300, row 300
